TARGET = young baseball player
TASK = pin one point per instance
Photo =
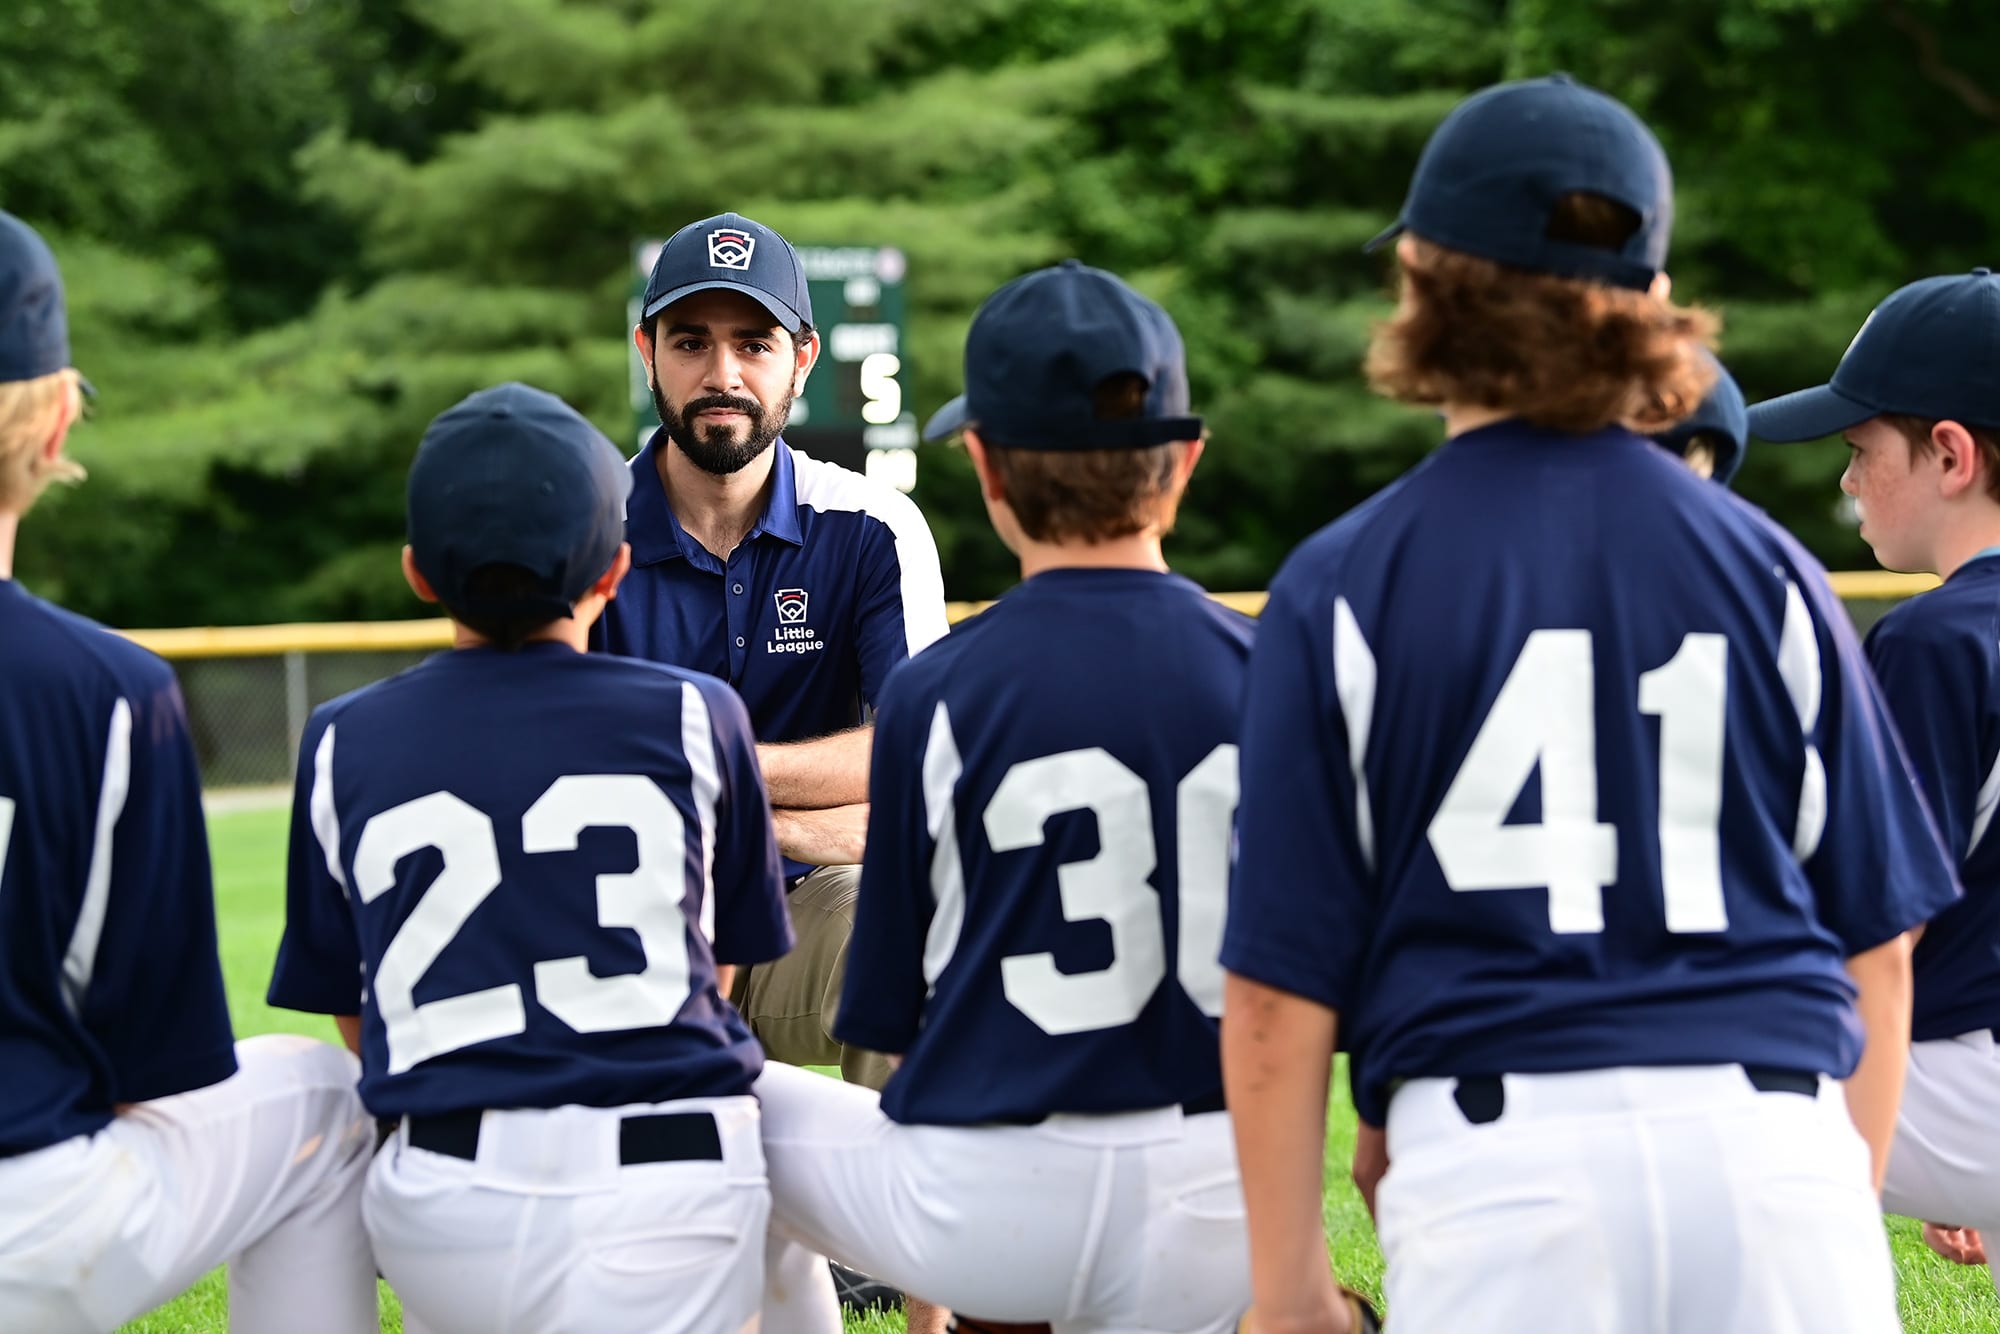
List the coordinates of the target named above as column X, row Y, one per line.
column 139, row 1146
column 1713, row 438
column 1918, row 398
column 1042, row 895
column 1598, row 857
column 519, row 874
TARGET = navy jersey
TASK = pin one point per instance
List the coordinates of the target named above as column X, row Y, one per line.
column 1938, row 659
column 110, row 987
column 1042, row 896
column 1557, row 757
column 521, row 869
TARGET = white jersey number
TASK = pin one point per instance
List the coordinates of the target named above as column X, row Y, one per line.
column 647, row 900
column 1112, row 887
column 1546, row 715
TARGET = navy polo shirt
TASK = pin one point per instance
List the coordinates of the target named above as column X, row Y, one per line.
column 836, row 584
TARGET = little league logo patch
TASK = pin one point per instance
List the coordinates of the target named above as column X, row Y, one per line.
column 791, row 606
column 729, row 248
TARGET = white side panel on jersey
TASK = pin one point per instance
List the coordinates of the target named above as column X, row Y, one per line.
column 6, row 831
column 698, row 744
column 942, row 768
column 325, row 817
column 1982, row 811
column 1354, row 683
column 1113, row 887
column 80, row 960
column 1799, row 666
column 827, row 486
column 646, row 899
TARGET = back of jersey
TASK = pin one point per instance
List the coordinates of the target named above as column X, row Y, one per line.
column 110, row 989
column 534, row 859
column 1581, row 766
column 1042, row 899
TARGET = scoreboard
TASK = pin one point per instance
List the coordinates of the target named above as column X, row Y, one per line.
column 852, row 412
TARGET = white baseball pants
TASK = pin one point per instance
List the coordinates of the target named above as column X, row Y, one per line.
column 263, row 1170
column 545, row 1232
column 1945, row 1166
column 1130, row 1223
column 1632, row 1201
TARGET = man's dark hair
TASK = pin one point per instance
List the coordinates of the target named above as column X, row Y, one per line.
column 498, row 585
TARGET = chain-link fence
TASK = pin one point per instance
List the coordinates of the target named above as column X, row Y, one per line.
column 250, row 691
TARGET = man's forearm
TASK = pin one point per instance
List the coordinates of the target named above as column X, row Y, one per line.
column 1277, row 1054
column 832, row 837
column 1875, row 1089
column 814, row 775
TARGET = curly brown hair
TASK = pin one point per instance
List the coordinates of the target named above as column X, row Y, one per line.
column 1563, row 353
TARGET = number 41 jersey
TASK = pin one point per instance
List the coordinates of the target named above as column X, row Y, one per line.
column 1048, row 841
column 531, row 862
column 1557, row 757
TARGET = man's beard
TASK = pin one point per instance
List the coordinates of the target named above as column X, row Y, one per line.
column 714, row 449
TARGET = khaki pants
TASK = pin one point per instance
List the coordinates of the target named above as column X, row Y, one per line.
column 790, row 1003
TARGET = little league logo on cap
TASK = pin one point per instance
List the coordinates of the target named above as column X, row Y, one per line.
column 1931, row 349
column 729, row 248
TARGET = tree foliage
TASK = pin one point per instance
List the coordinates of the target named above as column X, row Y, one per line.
column 293, row 234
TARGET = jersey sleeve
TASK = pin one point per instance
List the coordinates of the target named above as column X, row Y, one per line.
column 1302, row 898
column 900, row 610
column 1930, row 685
column 1869, row 845
column 319, row 958
column 912, row 775
column 154, row 997
column 751, row 925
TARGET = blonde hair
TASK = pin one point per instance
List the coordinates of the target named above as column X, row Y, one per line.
column 31, row 411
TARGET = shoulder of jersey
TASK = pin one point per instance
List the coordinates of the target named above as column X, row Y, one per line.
column 830, row 488
column 130, row 666
column 1937, row 617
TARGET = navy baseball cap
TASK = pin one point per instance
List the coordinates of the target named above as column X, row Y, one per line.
column 515, row 476
column 1493, row 171
column 1039, row 348
column 34, row 325
column 1722, row 417
column 731, row 253
column 1932, row 349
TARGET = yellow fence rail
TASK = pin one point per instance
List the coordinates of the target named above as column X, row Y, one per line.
column 255, row 641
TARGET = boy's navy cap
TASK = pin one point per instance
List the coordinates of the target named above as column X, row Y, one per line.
column 1722, row 417
column 515, row 476
column 1039, row 348
column 1931, row 350
column 1491, row 174
column 731, row 253
column 34, row 325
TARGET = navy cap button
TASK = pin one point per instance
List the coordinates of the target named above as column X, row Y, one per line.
column 1562, row 76
column 1982, row 272
column 1072, row 263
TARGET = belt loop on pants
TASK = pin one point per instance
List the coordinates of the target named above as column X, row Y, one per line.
column 662, row 1137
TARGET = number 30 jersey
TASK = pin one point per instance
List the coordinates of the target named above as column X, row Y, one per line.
column 1557, row 758
column 521, row 869
column 1048, row 841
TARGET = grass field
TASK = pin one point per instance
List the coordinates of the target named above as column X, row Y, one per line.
column 1937, row 1298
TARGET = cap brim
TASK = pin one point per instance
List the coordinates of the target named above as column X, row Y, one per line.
column 1383, row 237
column 1807, row 415
column 786, row 317
column 947, row 420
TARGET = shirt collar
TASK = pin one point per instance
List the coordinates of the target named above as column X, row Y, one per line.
column 656, row 534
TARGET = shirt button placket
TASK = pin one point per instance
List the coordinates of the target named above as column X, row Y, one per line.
column 738, row 618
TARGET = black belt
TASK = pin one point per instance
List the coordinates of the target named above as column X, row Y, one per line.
column 1202, row 1106
column 661, row 1137
column 1483, row 1098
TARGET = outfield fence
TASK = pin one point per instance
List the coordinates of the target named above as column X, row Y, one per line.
column 250, row 688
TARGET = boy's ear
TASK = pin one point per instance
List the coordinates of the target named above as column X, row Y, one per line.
column 982, row 466
column 414, row 577
column 1958, row 454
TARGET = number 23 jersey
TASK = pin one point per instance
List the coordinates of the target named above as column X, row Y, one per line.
column 521, row 869
column 1556, row 757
